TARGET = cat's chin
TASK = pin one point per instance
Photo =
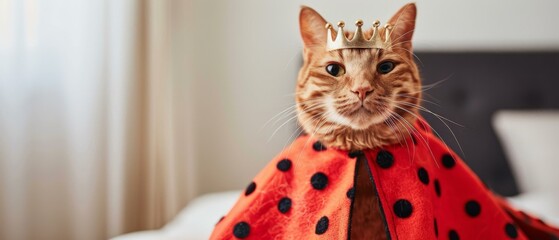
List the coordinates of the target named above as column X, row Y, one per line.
column 364, row 119
column 359, row 119
column 348, row 138
column 368, row 132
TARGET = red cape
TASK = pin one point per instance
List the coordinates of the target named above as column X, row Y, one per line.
column 425, row 190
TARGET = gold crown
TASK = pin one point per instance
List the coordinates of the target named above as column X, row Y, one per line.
column 358, row 40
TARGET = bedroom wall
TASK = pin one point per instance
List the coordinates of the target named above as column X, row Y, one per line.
column 245, row 56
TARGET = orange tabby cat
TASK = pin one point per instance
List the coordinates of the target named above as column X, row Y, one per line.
column 354, row 99
column 359, row 99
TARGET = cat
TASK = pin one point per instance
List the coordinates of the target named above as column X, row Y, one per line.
column 356, row 99
column 360, row 172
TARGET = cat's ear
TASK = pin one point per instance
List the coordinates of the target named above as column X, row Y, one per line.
column 403, row 23
column 311, row 25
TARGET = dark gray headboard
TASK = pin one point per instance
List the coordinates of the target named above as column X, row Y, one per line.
column 476, row 86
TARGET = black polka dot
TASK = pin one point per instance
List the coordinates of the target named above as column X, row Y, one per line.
column 423, row 176
column 319, row 181
column 241, row 230
column 453, row 235
column 448, row 161
column 250, row 188
column 284, row 205
column 437, row 187
column 284, row 165
column 403, row 208
column 385, row 159
column 510, row 229
column 553, row 236
column 321, row 225
column 436, row 228
column 220, row 219
column 473, row 209
column 355, row 154
column 317, row 146
column 350, row 193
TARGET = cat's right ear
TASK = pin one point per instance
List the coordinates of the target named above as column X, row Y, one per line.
column 312, row 27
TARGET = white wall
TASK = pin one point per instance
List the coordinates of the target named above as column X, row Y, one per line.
column 244, row 55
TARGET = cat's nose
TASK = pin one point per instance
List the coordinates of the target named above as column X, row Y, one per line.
column 362, row 91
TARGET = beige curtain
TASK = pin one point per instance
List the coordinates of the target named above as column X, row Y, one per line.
column 94, row 119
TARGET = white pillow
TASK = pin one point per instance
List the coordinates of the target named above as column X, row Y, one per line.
column 531, row 143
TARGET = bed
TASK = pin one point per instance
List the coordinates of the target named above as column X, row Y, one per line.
column 505, row 103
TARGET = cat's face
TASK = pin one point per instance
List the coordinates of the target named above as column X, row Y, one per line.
column 358, row 98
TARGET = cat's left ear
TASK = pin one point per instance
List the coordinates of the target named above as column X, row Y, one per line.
column 403, row 23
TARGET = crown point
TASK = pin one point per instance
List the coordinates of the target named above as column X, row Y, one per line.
column 341, row 24
column 359, row 40
column 359, row 23
column 388, row 26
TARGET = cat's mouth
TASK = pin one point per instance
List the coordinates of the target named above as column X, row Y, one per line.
column 363, row 115
column 357, row 115
column 360, row 110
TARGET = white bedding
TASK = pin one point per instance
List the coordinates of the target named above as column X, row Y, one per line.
column 195, row 222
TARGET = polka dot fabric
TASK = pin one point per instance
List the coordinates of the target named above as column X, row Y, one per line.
column 425, row 190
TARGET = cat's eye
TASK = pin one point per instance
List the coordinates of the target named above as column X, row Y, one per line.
column 335, row 69
column 385, row 67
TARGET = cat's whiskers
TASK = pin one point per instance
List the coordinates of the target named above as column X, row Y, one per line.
column 284, row 114
column 425, row 88
column 277, row 115
column 311, row 107
column 389, row 118
column 441, row 119
column 413, row 54
column 299, row 129
column 435, row 84
column 294, row 93
column 417, row 98
column 402, row 135
column 431, row 112
column 415, row 132
column 322, row 120
column 407, row 123
column 428, row 87
column 398, row 126
column 278, row 128
column 432, row 129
